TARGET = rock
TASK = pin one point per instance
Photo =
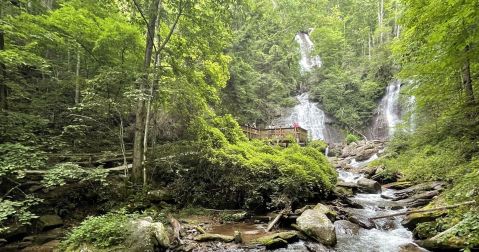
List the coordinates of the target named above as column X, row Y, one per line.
column 411, row 247
column 330, row 213
column 369, row 185
column 411, row 220
column 399, row 185
column 214, row 237
column 147, row 235
column 315, row 224
column 237, row 236
column 50, row 246
column 364, row 153
column 347, row 185
column 346, row 227
column 340, row 191
column 316, row 247
column 15, row 232
column 159, row 195
column 3, row 242
column 449, row 239
column 361, row 221
column 46, row 222
column 277, row 240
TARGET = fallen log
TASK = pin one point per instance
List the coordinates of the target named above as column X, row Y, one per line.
column 276, row 219
column 425, row 210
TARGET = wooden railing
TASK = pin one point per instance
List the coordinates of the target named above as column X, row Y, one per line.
column 278, row 135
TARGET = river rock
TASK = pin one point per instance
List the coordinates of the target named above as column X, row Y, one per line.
column 411, row 220
column 363, row 222
column 277, row 240
column 346, row 227
column 398, row 185
column 411, row 247
column 315, row 224
column 147, row 235
column 369, row 185
column 46, row 222
column 214, row 237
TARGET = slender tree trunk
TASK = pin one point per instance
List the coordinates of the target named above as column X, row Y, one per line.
column 369, row 46
column 138, row 171
column 77, row 78
column 380, row 19
column 466, row 78
column 3, row 77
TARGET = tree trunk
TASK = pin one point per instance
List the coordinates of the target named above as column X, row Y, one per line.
column 77, row 78
column 138, row 171
column 466, row 78
column 369, row 46
column 3, row 77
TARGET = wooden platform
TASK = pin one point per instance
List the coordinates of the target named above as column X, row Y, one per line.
column 278, row 135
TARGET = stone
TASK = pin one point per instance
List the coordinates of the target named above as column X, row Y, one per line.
column 361, row 221
column 411, row 220
column 15, row 233
column 315, row 224
column 238, row 237
column 46, row 222
column 369, row 185
column 399, row 185
column 340, row 191
column 277, row 240
column 411, row 247
column 147, row 235
column 214, row 237
column 50, row 246
column 346, row 227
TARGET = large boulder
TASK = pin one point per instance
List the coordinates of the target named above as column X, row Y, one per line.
column 369, row 185
column 147, row 235
column 315, row 223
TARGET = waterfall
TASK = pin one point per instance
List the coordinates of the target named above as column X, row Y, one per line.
column 388, row 113
column 307, row 61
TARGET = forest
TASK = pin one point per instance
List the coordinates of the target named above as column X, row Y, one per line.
column 239, row 125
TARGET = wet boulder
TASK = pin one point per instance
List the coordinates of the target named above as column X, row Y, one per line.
column 346, row 227
column 369, row 185
column 411, row 247
column 315, row 224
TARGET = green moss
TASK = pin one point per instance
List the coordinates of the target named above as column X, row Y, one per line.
column 231, row 172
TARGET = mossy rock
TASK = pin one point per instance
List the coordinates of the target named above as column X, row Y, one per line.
column 214, row 237
column 277, row 240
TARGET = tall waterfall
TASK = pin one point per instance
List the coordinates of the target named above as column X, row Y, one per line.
column 389, row 113
column 307, row 62
column 308, row 115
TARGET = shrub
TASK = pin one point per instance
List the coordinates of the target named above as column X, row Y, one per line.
column 320, row 145
column 101, row 231
column 351, row 138
column 244, row 174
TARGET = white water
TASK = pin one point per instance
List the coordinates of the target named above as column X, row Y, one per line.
column 307, row 62
column 389, row 113
column 308, row 115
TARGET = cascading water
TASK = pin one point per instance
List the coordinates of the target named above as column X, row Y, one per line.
column 389, row 113
column 308, row 115
column 307, row 62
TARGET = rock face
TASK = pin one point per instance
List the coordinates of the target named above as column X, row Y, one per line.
column 147, row 235
column 368, row 185
column 315, row 224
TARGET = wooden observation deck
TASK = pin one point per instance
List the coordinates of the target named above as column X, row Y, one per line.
column 278, row 135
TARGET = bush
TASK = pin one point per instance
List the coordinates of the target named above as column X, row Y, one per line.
column 101, row 231
column 234, row 173
column 351, row 138
column 320, row 145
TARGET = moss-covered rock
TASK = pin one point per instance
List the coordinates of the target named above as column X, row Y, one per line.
column 214, row 237
column 315, row 224
column 278, row 239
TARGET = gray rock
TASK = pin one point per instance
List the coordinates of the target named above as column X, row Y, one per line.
column 315, row 224
column 147, row 235
column 369, row 185
column 411, row 247
column 362, row 221
column 46, row 222
column 214, row 237
column 346, row 227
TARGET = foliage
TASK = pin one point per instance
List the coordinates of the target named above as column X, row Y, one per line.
column 16, row 158
column 320, row 145
column 16, row 212
column 250, row 175
column 64, row 173
column 101, row 231
column 351, row 138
